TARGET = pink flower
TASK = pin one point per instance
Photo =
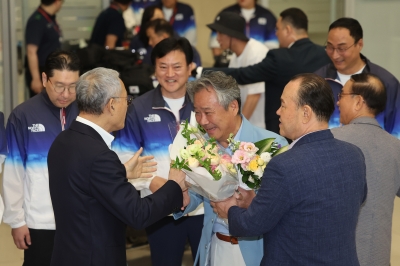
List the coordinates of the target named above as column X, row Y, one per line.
column 248, row 147
column 240, row 157
column 226, row 158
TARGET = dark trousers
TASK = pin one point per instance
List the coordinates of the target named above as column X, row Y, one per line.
column 39, row 252
column 167, row 239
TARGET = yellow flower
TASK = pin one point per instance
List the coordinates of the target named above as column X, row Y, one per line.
column 253, row 165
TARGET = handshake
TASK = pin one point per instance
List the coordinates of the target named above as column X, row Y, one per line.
column 143, row 167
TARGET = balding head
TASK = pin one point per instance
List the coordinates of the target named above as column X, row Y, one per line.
column 364, row 95
column 372, row 89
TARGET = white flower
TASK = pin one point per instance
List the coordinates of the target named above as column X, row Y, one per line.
column 193, row 162
column 193, row 149
column 215, row 159
column 259, row 172
column 210, row 149
column 251, row 179
column 260, row 161
column 266, row 157
column 184, row 154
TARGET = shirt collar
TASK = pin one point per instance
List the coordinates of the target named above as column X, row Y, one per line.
column 107, row 137
column 236, row 138
column 290, row 45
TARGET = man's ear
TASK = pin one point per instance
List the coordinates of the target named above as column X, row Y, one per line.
column 359, row 102
column 110, row 106
column 307, row 114
column 234, row 105
column 44, row 79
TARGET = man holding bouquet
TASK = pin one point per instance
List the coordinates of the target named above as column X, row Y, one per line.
column 308, row 204
column 217, row 104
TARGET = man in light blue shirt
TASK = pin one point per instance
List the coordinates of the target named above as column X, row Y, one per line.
column 216, row 100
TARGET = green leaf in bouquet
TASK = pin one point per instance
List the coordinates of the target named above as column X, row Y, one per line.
column 217, row 175
column 250, row 185
column 241, row 170
column 264, row 145
column 176, row 164
column 281, row 150
column 201, row 129
column 245, row 178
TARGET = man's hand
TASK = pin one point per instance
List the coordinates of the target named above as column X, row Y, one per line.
column 221, row 208
column 186, row 199
column 21, row 236
column 36, row 85
column 140, row 167
column 178, row 176
column 244, row 197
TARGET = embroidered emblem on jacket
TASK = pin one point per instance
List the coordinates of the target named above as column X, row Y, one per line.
column 37, row 128
column 153, row 118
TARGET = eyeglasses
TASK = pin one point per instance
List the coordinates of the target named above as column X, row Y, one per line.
column 60, row 88
column 129, row 99
column 340, row 94
column 330, row 49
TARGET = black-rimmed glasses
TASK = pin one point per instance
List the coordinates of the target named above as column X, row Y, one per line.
column 341, row 50
column 61, row 88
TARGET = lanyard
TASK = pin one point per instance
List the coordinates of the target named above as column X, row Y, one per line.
column 172, row 19
column 62, row 118
column 46, row 16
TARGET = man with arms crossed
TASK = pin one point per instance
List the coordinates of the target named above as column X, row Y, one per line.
column 216, row 100
column 362, row 99
column 150, row 124
column 31, row 129
column 91, row 197
column 310, row 196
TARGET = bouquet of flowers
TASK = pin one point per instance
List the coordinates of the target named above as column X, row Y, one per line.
column 252, row 158
column 208, row 167
column 211, row 171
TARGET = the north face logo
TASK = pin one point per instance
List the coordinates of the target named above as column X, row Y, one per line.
column 37, row 128
column 153, row 118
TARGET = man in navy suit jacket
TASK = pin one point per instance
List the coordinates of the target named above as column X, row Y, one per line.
column 91, row 197
column 310, row 196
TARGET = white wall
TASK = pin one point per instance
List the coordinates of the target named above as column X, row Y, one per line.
column 380, row 21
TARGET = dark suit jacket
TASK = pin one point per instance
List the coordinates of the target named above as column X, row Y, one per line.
column 276, row 69
column 308, row 204
column 93, row 201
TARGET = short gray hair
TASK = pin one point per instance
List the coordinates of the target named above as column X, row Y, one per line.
column 225, row 87
column 95, row 88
